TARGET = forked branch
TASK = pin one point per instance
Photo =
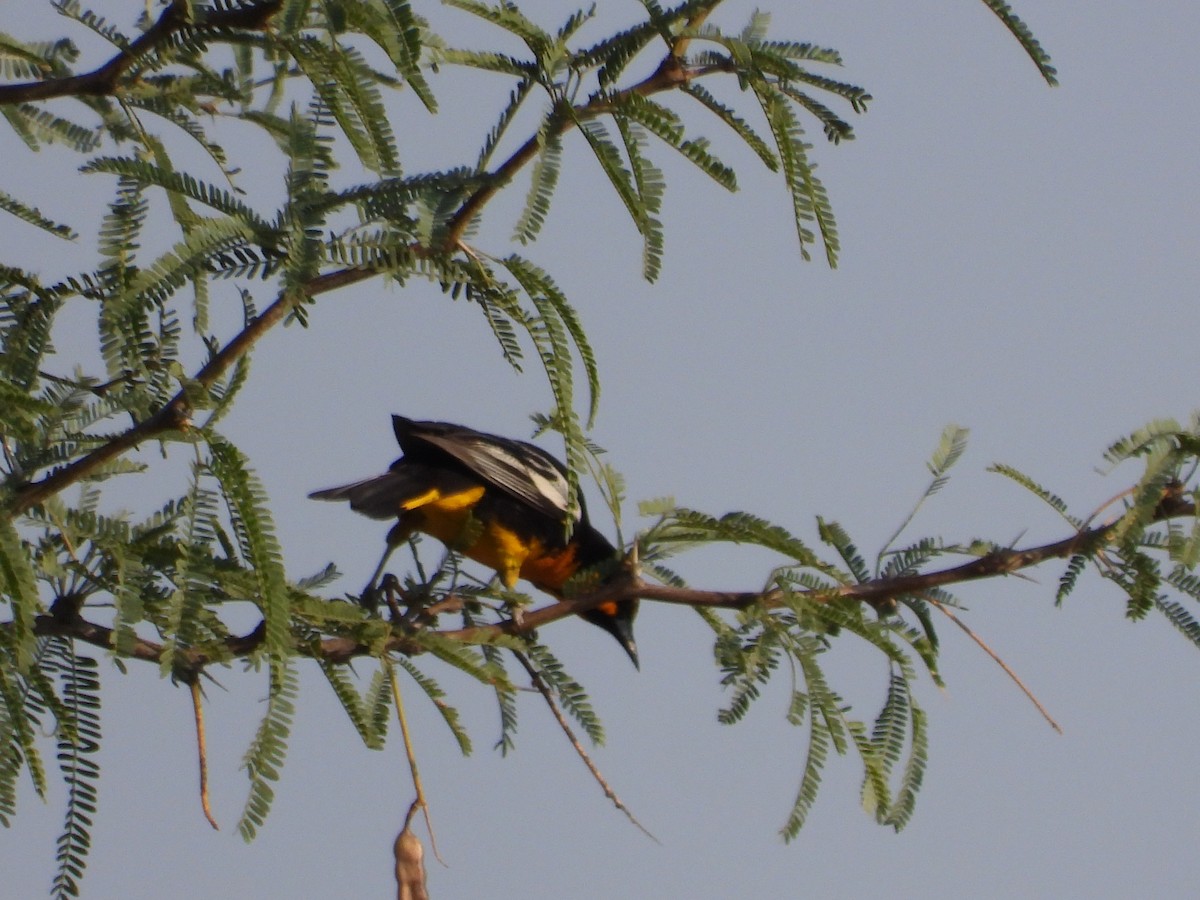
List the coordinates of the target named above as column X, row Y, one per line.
column 174, row 416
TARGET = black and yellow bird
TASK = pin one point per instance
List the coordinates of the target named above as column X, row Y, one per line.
column 500, row 502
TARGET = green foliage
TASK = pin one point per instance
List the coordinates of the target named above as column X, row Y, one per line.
column 541, row 188
column 367, row 713
column 66, row 685
column 347, row 88
column 265, row 756
column 323, row 84
column 684, row 527
column 260, row 551
column 189, row 620
column 556, row 331
column 34, row 217
column 1066, row 582
column 37, row 127
column 569, row 692
column 466, row 659
column 20, row 722
column 19, row 590
column 437, row 697
column 78, row 742
column 1052, row 500
column 506, row 701
column 1021, row 32
column 180, row 184
column 950, row 448
column 798, row 627
column 771, row 68
column 1140, row 550
column 799, row 614
column 1178, row 616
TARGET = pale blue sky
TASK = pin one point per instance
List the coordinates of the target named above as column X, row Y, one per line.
column 1016, row 259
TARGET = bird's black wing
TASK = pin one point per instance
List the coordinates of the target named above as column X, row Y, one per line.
column 384, row 496
column 523, row 470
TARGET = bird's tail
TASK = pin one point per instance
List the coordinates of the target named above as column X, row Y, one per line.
column 379, row 497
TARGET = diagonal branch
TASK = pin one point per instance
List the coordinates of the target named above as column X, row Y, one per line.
column 670, row 74
column 174, row 415
column 105, row 80
column 548, row 695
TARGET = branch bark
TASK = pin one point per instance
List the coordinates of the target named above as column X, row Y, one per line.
column 106, row 79
column 190, row 662
column 175, row 414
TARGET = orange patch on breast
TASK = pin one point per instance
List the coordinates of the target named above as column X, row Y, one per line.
column 550, row 570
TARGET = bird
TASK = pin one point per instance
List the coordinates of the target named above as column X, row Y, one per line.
column 501, row 502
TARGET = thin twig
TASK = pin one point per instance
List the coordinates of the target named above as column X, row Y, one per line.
column 420, row 801
column 543, row 689
column 105, row 80
column 202, row 752
column 1107, row 503
column 996, row 658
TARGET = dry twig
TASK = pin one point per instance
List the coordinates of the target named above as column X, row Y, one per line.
column 420, row 802
column 548, row 696
column 202, row 751
column 996, row 658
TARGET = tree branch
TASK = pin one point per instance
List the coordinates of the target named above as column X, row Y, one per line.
column 190, row 661
column 105, row 80
column 670, row 74
column 175, row 414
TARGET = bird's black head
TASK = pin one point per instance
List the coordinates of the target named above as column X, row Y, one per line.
column 616, row 617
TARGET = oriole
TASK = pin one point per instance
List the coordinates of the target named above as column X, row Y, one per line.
column 500, row 502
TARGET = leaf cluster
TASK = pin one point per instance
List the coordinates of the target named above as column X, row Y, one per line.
column 184, row 241
column 1148, row 548
column 793, row 625
column 62, row 686
column 1150, row 557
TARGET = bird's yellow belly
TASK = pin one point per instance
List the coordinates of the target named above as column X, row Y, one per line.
column 448, row 518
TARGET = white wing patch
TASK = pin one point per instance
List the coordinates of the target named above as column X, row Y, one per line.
column 548, row 480
column 522, row 469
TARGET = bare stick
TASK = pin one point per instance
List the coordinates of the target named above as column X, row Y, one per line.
column 202, row 752
column 995, row 657
column 547, row 695
column 420, row 802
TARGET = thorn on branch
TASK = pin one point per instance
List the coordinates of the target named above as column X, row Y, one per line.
column 202, row 751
